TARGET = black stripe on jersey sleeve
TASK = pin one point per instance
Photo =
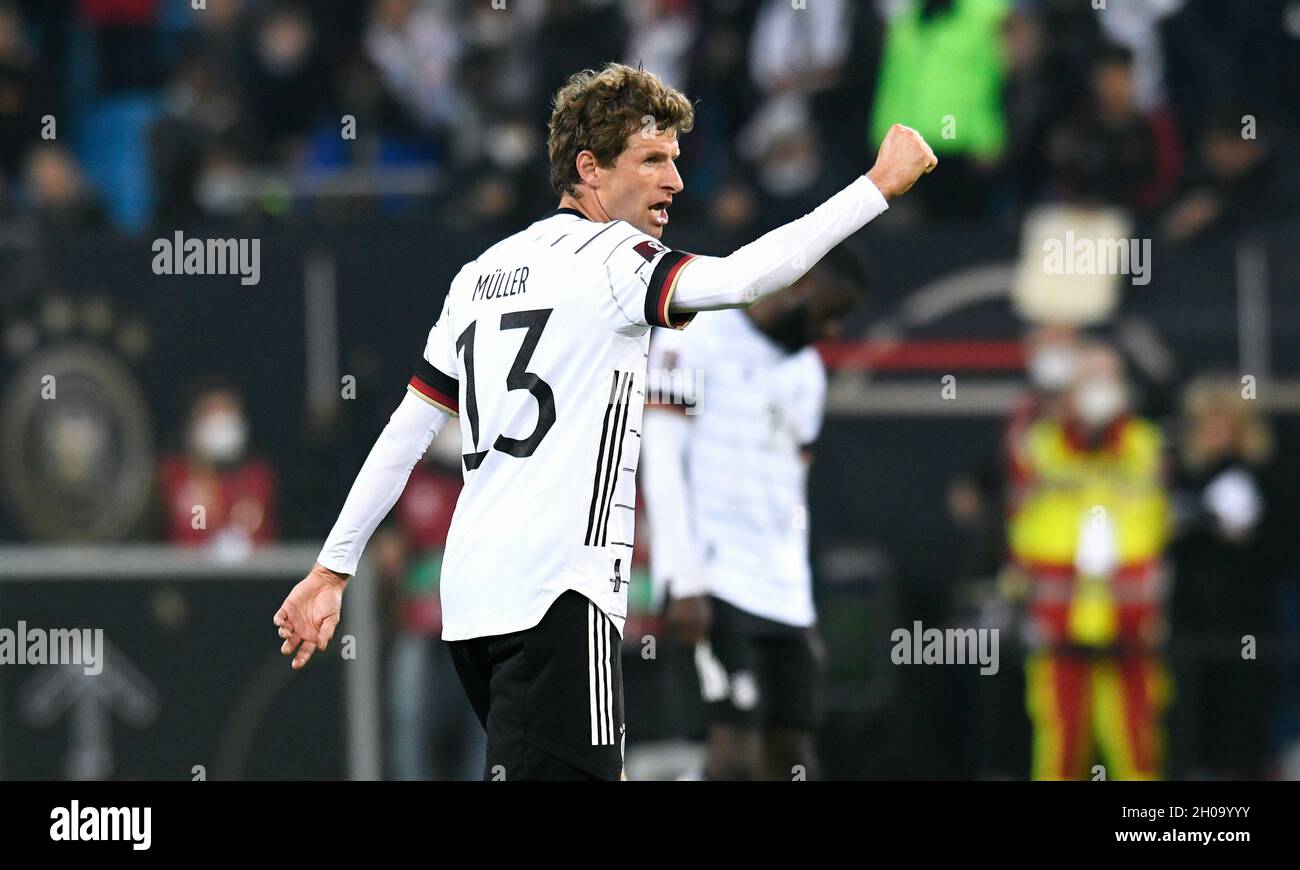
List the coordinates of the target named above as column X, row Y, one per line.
column 436, row 385
column 662, row 281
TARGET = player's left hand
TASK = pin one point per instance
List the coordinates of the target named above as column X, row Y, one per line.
column 308, row 617
column 690, row 618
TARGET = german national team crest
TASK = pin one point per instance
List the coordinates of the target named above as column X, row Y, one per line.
column 76, row 445
column 649, row 249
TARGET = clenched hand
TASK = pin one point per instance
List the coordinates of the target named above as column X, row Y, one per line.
column 903, row 158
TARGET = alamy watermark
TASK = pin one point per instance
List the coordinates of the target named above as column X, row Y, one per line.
column 950, row 646
column 675, row 386
column 181, row 256
column 75, row 823
column 56, row 646
column 1083, row 255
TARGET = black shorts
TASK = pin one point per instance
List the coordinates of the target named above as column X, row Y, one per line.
column 758, row 673
column 550, row 697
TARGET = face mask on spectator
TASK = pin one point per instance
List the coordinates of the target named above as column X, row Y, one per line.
column 1098, row 401
column 1052, row 367
column 220, row 437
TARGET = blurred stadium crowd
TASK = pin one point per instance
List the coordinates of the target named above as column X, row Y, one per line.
column 176, row 114
column 1182, row 114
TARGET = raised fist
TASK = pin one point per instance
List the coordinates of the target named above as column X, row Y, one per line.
column 903, row 158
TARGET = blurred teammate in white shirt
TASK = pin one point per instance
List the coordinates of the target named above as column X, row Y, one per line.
column 736, row 406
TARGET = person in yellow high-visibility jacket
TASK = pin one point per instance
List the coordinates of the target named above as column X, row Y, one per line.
column 1089, row 524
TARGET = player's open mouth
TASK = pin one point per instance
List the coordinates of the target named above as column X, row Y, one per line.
column 660, row 212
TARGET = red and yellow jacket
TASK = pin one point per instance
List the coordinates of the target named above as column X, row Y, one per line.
column 1089, row 526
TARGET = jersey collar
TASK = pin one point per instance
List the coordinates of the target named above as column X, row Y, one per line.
column 566, row 210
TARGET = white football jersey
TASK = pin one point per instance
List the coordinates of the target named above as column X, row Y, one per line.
column 757, row 407
column 541, row 349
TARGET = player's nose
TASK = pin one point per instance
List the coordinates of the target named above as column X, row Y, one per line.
column 673, row 183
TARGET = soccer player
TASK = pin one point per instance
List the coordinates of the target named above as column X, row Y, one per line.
column 735, row 408
column 540, row 350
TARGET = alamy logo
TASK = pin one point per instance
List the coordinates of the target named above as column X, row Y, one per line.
column 672, row 385
column 952, row 646
column 58, row 646
column 75, row 823
column 1087, row 256
column 181, row 256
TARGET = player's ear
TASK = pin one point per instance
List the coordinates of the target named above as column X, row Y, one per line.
column 588, row 168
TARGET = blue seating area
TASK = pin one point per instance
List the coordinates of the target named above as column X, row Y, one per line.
column 112, row 144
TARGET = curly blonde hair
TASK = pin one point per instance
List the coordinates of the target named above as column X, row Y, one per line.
column 597, row 111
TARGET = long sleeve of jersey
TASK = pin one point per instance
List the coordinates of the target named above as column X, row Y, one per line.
column 383, row 476
column 777, row 259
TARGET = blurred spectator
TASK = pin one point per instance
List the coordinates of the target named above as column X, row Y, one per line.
column 286, row 84
column 786, row 159
column 663, row 33
column 799, row 50
column 433, row 731
column 1221, row 53
column 979, row 503
column 215, row 493
column 217, row 42
column 502, row 82
column 718, row 77
column 1073, row 39
column 206, row 80
column 574, row 35
column 1135, row 24
column 1237, row 179
column 496, row 87
column 200, row 111
column 1089, row 530
column 1029, row 103
column 1224, row 581
column 22, row 97
column 960, row 115
column 416, row 48
column 797, row 63
column 1114, row 153
column 57, row 191
column 1047, row 50
column 497, row 143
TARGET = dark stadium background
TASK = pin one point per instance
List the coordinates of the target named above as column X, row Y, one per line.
column 174, row 119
